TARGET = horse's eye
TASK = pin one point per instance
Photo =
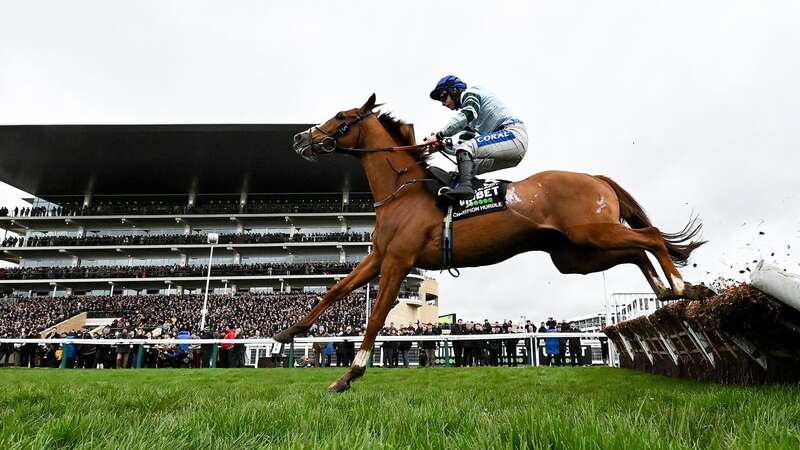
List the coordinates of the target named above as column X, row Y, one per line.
column 339, row 116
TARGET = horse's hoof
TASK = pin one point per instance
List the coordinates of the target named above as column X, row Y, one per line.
column 698, row 292
column 284, row 337
column 705, row 292
column 338, row 386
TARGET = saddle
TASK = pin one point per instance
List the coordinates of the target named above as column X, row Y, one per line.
column 490, row 196
column 487, row 192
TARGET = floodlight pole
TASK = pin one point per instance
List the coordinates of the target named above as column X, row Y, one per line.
column 369, row 250
column 368, row 306
column 611, row 349
column 213, row 239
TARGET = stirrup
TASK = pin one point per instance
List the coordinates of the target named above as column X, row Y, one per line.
column 455, row 194
column 443, row 191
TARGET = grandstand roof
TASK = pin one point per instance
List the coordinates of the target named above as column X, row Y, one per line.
column 58, row 160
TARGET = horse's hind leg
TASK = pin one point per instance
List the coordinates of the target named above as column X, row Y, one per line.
column 583, row 260
column 368, row 269
column 612, row 236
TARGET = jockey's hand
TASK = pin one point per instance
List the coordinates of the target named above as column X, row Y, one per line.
column 432, row 138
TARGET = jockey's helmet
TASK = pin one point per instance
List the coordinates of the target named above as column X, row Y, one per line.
column 450, row 84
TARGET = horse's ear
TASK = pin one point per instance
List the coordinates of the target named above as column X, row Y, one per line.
column 369, row 104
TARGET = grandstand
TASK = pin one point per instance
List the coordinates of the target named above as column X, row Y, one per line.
column 125, row 210
column 628, row 305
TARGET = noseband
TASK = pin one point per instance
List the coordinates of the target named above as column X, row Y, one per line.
column 329, row 144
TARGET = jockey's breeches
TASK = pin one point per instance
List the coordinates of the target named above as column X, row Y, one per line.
column 497, row 150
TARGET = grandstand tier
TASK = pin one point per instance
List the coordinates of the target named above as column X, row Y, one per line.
column 129, row 209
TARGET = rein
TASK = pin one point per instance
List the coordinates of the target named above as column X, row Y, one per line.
column 330, row 145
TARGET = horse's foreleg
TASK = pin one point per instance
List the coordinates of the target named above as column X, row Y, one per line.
column 365, row 271
column 392, row 275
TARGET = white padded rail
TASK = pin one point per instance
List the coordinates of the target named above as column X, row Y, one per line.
column 776, row 283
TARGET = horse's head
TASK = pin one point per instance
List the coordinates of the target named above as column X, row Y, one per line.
column 340, row 131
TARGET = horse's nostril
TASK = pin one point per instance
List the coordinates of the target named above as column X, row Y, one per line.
column 297, row 138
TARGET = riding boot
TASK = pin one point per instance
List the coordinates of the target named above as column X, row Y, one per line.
column 463, row 189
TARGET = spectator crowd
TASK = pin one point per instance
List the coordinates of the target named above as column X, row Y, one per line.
column 254, row 316
column 172, row 239
column 162, row 316
column 263, row 314
column 174, row 271
column 285, row 205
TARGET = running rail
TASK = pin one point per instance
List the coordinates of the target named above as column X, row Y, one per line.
column 308, row 340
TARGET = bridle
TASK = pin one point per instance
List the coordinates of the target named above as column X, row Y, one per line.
column 329, row 144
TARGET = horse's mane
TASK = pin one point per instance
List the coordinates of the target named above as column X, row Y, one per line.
column 395, row 127
column 401, row 131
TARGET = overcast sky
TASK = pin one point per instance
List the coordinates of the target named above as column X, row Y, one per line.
column 691, row 106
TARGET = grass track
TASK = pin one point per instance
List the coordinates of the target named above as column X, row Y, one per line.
column 478, row 408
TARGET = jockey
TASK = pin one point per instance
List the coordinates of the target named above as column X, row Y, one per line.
column 486, row 136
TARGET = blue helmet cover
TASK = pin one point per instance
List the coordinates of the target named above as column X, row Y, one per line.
column 448, row 81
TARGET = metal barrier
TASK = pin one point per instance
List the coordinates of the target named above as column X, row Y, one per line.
column 294, row 354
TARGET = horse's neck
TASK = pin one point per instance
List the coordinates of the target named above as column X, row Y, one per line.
column 382, row 167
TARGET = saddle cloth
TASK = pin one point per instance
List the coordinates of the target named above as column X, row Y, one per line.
column 490, row 195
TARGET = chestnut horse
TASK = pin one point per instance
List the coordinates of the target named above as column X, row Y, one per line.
column 575, row 217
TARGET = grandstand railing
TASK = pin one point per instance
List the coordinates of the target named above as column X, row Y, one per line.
column 188, row 240
column 216, row 275
column 286, row 206
column 291, row 353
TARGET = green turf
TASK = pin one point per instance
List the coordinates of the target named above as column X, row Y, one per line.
column 478, row 408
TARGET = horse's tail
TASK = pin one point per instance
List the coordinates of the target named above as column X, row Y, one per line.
column 679, row 245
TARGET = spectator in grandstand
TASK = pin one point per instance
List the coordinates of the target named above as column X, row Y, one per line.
column 494, row 347
column 551, row 347
column 87, row 354
column 6, row 349
column 574, row 345
column 206, row 350
column 28, row 350
column 403, row 347
column 468, row 358
column 70, row 352
column 318, row 348
column 562, row 344
column 105, row 354
column 349, row 346
column 182, row 350
column 228, row 355
column 458, row 346
column 529, row 345
column 510, row 344
column 329, row 351
column 51, row 355
column 389, row 348
column 123, row 352
column 429, row 347
column 238, row 350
